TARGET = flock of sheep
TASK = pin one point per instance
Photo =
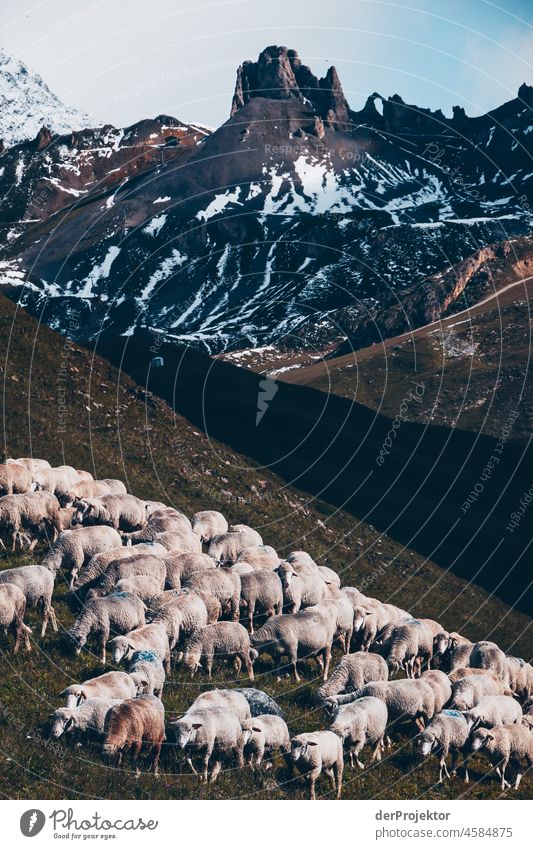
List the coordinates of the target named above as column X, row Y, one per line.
column 154, row 587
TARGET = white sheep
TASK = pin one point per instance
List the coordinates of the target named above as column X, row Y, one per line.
column 253, row 537
column 264, row 735
column 110, row 685
column 441, row 686
column 359, row 723
column 181, row 616
column 84, row 722
column 260, row 557
column 151, row 637
column 317, row 752
column 148, row 673
column 33, row 464
column 260, row 592
column 468, row 691
column 228, row 640
column 100, row 616
column 14, row 479
column 182, row 567
column 232, row 700
column 351, row 673
column 98, row 564
column 12, row 610
column 299, row 568
column 225, row 549
column 221, row 583
column 37, row 584
column 493, row 710
column 208, row 524
column 505, row 744
column 409, row 647
column 212, row 734
column 308, row 633
column 127, row 567
column 487, row 655
column 122, row 512
column 447, row 731
column 74, row 548
column 144, row 586
column 35, row 514
column 406, row 700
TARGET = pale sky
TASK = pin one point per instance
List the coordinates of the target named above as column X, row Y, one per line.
column 123, row 60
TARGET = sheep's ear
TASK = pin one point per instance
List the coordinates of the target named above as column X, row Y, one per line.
column 197, row 725
column 131, row 648
column 369, row 612
column 69, row 722
column 312, row 743
column 255, row 728
column 490, row 736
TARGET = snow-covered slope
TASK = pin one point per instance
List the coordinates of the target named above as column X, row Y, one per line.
column 26, row 104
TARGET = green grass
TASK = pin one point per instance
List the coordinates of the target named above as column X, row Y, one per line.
column 111, row 431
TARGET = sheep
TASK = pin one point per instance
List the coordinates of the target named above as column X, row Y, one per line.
column 212, row 604
column 83, row 489
column 317, row 752
column 330, row 576
column 160, row 523
column 308, row 633
column 208, row 524
column 85, row 721
column 493, row 710
column 487, row 655
column 100, row 616
column 520, row 677
column 353, row 672
column 181, row 616
column 370, row 618
column 212, row 733
column 264, row 735
column 37, row 584
column 33, row 464
column 409, row 646
column 12, row 610
column 341, row 613
column 227, row 639
column 147, row 672
column 73, row 549
column 115, row 487
column 34, row 512
column 122, row 512
column 313, row 586
column 457, row 652
column 227, row 699
column 143, row 586
column 447, row 731
column 225, row 549
column 359, row 723
column 464, row 672
column 98, row 563
column 56, row 481
column 110, row 685
column 181, row 567
column 260, row 702
column 260, row 557
column 242, row 568
column 221, row 583
column 260, row 589
column 253, row 537
column 14, row 479
column 441, row 686
column 128, row 567
column 406, row 700
column 505, row 744
column 151, row 637
column 132, row 725
column 467, row 692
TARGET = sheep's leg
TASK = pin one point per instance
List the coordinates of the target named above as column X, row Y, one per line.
column 209, row 667
column 292, row 661
column 249, row 666
column 215, row 771
column 505, row 784
column 356, row 751
column 234, row 609
column 135, row 750
column 190, row 763
column 518, row 779
column 327, row 661
column 454, row 762
column 205, row 770
column 337, row 771
column 237, row 663
column 312, row 783
column 157, row 753
column 376, row 752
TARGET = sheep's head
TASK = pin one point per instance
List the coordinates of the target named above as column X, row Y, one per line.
column 76, row 641
column 359, row 617
column 394, row 664
column 62, row 721
column 121, row 649
column 300, row 748
column 286, row 573
column 185, row 730
column 251, row 731
column 142, row 685
column 481, row 738
column 191, row 659
column 441, row 643
column 427, row 742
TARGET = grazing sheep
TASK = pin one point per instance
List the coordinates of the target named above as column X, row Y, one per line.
column 151, row 637
column 229, row 640
column 260, row 590
column 264, row 735
column 317, row 752
column 84, row 489
column 212, row 734
column 56, row 481
column 457, row 652
column 468, row 691
column 208, row 524
column 73, row 549
column 441, row 686
column 227, row 699
column 225, row 549
column 447, row 731
column 128, row 567
column 341, row 613
column 221, row 583
column 353, row 672
column 212, row 604
column 143, row 586
column 260, row 557
column 85, row 722
column 360, row 723
column 100, row 616
column 406, row 700
column 98, row 564
column 493, row 710
column 520, row 676
column 181, row 616
column 308, row 633
column 37, row 584
column 133, row 725
column 167, row 522
column 370, row 619
column 182, row 567
column 260, row 702
column 32, row 464
column 505, row 744
column 122, row 512
column 110, row 685
column 14, row 479
column 253, row 537
column 147, row 672
column 36, row 513
column 487, row 655
column 313, row 586
column 12, row 610
column 409, row 647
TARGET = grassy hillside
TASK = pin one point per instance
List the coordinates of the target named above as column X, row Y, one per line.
column 61, row 403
